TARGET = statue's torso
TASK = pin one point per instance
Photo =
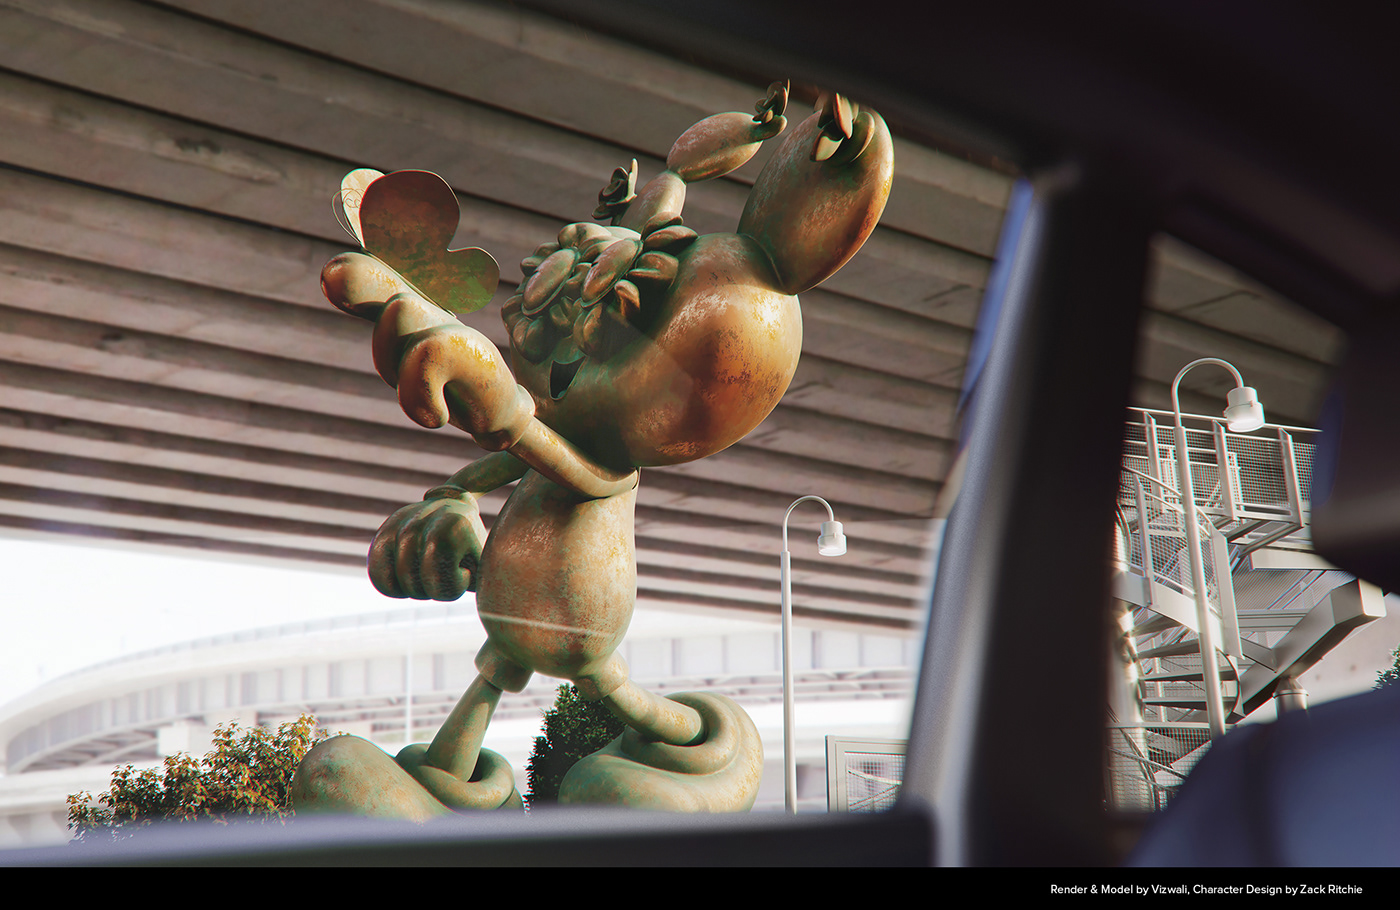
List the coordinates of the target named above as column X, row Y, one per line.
column 558, row 577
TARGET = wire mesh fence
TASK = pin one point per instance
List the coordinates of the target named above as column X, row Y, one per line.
column 1260, row 476
column 1146, row 763
column 863, row 775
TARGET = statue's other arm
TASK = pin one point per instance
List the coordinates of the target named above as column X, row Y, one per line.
column 446, row 372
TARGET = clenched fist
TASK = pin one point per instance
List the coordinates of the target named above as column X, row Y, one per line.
column 429, row 550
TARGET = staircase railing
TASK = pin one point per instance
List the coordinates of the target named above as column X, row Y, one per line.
column 1279, row 608
column 1156, row 550
column 1242, row 481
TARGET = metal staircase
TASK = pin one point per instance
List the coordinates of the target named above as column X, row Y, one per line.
column 1275, row 608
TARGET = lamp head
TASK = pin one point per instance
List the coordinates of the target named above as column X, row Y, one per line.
column 831, row 541
column 1244, row 413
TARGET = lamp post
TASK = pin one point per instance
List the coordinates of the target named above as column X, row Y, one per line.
column 830, row 542
column 408, row 682
column 1243, row 414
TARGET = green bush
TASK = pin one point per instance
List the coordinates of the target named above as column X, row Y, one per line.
column 573, row 728
column 1392, row 676
column 247, row 776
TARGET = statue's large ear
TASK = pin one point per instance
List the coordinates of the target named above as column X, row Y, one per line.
column 407, row 219
column 347, row 201
column 1356, row 469
column 811, row 216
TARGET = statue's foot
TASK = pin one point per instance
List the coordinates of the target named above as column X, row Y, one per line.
column 719, row 774
column 492, row 784
column 350, row 775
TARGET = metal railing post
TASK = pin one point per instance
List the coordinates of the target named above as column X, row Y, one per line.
column 1290, row 476
column 1210, row 666
column 1149, row 571
column 1227, row 479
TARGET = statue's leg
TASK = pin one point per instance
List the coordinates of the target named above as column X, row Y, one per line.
column 457, row 745
column 453, row 767
column 654, row 717
column 347, row 774
column 695, row 752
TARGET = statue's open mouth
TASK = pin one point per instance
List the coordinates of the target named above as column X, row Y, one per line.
column 561, row 375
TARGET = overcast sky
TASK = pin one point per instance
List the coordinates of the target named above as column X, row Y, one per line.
column 68, row 604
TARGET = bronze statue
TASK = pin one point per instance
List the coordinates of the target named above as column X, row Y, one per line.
column 633, row 344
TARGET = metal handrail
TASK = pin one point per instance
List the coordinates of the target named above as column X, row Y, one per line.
column 1157, row 480
column 1222, row 421
column 1227, row 496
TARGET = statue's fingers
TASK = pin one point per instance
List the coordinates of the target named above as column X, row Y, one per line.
column 408, row 558
column 446, row 541
column 360, row 284
column 383, row 558
column 471, row 561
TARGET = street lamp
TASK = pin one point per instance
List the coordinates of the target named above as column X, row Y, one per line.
column 1243, row 414
column 830, row 542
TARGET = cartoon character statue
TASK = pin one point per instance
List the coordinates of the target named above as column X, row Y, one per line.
column 633, row 344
